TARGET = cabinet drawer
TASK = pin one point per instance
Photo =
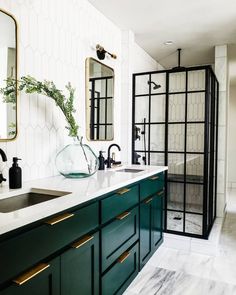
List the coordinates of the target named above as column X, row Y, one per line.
column 117, row 203
column 119, row 235
column 43, row 279
column 151, row 185
column 21, row 252
column 118, row 278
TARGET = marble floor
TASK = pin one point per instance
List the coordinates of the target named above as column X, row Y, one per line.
column 189, row 266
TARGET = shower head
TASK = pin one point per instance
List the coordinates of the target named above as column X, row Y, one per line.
column 156, row 86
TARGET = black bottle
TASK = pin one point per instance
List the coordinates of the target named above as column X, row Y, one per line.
column 101, row 161
column 15, row 175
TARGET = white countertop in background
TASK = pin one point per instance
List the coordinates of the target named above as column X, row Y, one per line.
column 81, row 191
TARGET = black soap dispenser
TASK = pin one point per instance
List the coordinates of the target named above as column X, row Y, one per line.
column 15, row 175
column 101, row 160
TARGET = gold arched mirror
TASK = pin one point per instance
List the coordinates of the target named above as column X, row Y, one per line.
column 99, row 100
column 8, row 75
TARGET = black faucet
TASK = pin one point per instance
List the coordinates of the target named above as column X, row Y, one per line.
column 109, row 160
column 4, row 159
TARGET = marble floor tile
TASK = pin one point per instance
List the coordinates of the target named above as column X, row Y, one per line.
column 166, row 282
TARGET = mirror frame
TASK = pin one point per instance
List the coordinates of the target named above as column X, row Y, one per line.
column 87, row 99
column 16, row 64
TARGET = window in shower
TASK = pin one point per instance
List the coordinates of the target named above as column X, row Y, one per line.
column 175, row 112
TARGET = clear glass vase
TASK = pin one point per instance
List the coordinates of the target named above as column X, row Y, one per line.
column 76, row 160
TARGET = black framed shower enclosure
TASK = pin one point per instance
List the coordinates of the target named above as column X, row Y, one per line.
column 177, row 125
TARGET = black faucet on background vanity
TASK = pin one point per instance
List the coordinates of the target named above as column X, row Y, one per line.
column 109, row 161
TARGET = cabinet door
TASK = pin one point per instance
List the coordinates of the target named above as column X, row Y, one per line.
column 42, row 279
column 157, row 227
column 151, row 215
column 146, row 232
column 80, row 267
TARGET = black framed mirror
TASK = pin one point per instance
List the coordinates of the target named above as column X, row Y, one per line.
column 99, row 101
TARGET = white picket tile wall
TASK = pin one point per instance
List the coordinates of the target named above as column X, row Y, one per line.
column 55, row 37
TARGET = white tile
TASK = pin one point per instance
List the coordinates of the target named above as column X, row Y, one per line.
column 221, row 51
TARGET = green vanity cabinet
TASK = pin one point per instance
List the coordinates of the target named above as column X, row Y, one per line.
column 150, row 226
column 93, row 249
column 80, row 267
column 43, row 279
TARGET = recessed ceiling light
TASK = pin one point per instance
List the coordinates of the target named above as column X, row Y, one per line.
column 168, row 42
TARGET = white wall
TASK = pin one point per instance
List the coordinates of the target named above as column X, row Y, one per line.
column 135, row 60
column 55, row 37
column 232, row 137
column 221, row 71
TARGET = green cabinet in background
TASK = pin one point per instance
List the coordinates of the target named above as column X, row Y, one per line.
column 151, row 216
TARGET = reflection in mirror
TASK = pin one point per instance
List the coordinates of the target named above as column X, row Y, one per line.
column 8, row 70
column 100, row 100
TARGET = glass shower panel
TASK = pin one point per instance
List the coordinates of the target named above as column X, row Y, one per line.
column 196, row 107
column 141, row 85
column 194, row 168
column 193, row 224
column 196, row 80
column 194, row 198
column 195, row 138
column 175, row 196
column 160, row 80
column 142, row 143
column 177, row 108
column 175, row 221
column 143, row 105
column 157, row 159
column 176, row 135
column 157, row 137
column 158, row 108
column 177, row 82
column 176, row 167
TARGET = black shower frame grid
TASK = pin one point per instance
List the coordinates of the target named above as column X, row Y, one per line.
column 208, row 71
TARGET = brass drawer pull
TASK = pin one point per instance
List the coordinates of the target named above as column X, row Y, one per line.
column 30, row 274
column 148, row 200
column 59, row 218
column 123, row 215
column 83, row 241
column 154, row 177
column 123, row 257
column 123, row 191
column 160, row 193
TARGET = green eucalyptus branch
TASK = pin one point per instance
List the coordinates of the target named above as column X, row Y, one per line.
column 30, row 85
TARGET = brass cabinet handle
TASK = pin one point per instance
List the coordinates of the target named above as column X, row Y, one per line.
column 30, row 274
column 148, row 200
column 123, row 191
column 123, row 257
column 83, row 241
column 123, row 215
column 59, row 218
column 154, row 177
column 160, row 193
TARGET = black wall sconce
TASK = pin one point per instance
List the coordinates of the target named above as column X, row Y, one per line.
column 101, row 52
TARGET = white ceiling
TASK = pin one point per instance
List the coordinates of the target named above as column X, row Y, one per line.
column 194, row 25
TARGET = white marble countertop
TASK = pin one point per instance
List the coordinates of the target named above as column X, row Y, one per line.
column 80, row 191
